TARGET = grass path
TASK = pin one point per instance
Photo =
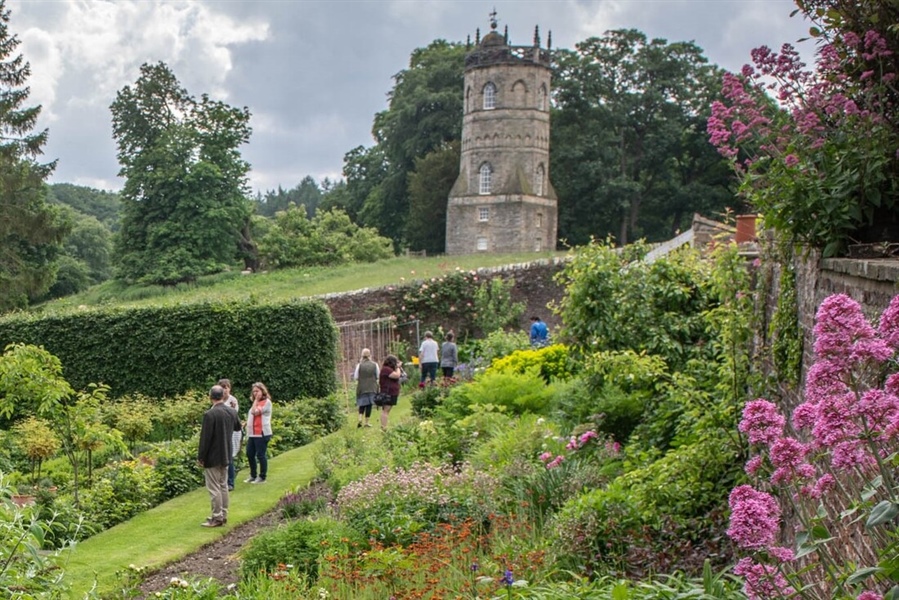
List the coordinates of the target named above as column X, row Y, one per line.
column 171, row 531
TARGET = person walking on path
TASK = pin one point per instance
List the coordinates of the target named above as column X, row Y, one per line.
column 214, row 453
column 366, row 377
column 449, row 355
column 389, row 381
column 237, row 436
column 259, row 432
column 427, row 358
column 539, row 333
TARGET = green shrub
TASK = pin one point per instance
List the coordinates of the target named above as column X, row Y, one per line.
column 347, row 457
column 120, row 491
column 425, row 400
column 307, row 501
column 167, row 350
column 552, row 363
column 299, row 543
column 497, row 344
column 178, row 418
column 516, row 394
column 175, row 465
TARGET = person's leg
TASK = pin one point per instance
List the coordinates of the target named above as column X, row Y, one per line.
column 448, row 372
column 432, row 372
column 367, row 414
column 231, row 473
column 215, row 479
column 385, row 412
column 263, row 457
column 226, row 497
column 251, row 457
column 361, row 413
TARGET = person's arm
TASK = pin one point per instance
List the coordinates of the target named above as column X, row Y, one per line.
column 356, row 372
column 267, row 407
column 397, row 372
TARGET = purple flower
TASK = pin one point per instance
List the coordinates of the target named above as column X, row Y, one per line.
column 889, row 323
column 507, row 578
column 869, row 596
column 763, row 582
column 474, row 567
column 754, row 464
column 754, row 518
column 762, row 422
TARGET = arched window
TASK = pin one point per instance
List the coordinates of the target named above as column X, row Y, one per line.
column 489, row 96
column 541, row 98
column 539, row 178
column 485, row 179
column 468, row 100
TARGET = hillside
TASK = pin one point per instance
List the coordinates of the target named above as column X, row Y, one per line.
column 288, row 284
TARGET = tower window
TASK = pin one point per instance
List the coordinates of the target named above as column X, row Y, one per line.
column 489, row 96
column 482, row 243
column 539, row 178
column 541, row 98
column 484, row 214
column 539, row 220
column 538, row 244
column 485, row 179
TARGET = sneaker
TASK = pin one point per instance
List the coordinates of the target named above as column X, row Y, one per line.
column 230, row 488
column 259, row 480
column 368, row 424
column 359, row 424
column 213, row 522
column 250, row 480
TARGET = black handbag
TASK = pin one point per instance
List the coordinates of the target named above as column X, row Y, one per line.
column 381, row 399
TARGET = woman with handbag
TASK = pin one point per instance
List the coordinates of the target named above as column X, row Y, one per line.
column 366, row 377
column 389, row 380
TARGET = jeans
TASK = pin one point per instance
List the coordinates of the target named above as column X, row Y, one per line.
column 231, row 472
column 429, row 369
column 256, row 447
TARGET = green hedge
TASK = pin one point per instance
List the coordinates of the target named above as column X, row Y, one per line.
column 163, row 351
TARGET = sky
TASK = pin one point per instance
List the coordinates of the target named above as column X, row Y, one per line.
column 313, row 73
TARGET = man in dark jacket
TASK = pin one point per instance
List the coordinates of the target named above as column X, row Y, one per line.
column 214, row 454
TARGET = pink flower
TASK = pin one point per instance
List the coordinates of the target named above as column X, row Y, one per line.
column 888, row 327
column 804, row 415
column 754, row 518
column 586, row 437
column 869, row 596
column 782, row 554
column 546, row 456
column 763, row 582
column 754, row 464
column 788, row 452
column 851, row 454
column 555, row 462
column 762, row 422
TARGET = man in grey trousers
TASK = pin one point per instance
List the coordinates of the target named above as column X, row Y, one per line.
column 214, row 453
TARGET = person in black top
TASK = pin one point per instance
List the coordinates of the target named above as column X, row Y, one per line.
column 214, row 453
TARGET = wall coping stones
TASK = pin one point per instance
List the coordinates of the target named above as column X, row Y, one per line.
column 880, row 269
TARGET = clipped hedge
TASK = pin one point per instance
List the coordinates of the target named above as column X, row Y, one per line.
column 163, row 351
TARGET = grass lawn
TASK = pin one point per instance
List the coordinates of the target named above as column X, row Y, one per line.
column 287, row 284
column 172, row 530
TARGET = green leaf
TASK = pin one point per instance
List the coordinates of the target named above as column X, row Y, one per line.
column 862, row 574
column 882, row 513
column 814, row 32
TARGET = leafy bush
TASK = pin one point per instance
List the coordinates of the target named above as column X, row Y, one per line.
column 515, row 393
column 120, row 491
column 299, row 543
column 175, row 465
column 550, row 362
column 178, row 418
column 425, row 400
column 347, row 457
column 497, row 344
column 307, row 501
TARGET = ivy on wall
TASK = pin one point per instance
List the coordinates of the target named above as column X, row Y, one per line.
column 163, row 351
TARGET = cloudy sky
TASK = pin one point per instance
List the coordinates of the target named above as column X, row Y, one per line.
column 313, row 72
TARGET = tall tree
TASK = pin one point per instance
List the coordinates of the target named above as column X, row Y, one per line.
column 429, row 187
column 424, row 113
column 185, row 187
column 627, row 137
column 31, row 230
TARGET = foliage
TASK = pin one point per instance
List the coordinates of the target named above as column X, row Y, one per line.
column 429, row 187
column 497, row 344
column 31, row 230
column 551, row 362
column 393, row 506
column 629, row 150
column 329, row 238
column 422, row 117
column 425, row 400
column 306, row 502
column 190, row 347
column 616, row 301
column 786, row 346
column 175, row 418
column 305, row 419
column 819, row 163
column 493, row 305
column 300, row 543
column 513, row 393
column 838, row 477
column 306, row 194
column 120, row 491
column 175, row 467
column 184, row 206
column 38, row 441
column 133, row 416
column 104, row 206
column 347, row 457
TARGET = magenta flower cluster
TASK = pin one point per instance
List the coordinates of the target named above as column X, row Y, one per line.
column 578, row 442
column 846, row 427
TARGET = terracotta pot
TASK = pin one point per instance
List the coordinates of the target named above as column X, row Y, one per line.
column 22, row 499
column 745, row 229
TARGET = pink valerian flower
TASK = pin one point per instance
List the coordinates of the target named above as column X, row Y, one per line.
column 888, row 328
column 782, row 554
column 824, row 379
column 835, row 420
column 546, row 456
column 851, row 454
column 879, row 409
column 804, row 415
column 786, row 475
column 824, row 484
column 869, row 596
column 839, row 324
column 762, row 422
column 572, row 444
column 788, row 452
column 763, row 582
column 754, row 464
column 754, row 518
column 891, row 386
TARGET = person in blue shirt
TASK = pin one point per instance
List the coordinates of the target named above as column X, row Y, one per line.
column 539, row 333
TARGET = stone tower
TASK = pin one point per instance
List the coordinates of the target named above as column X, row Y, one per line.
column 503, row 200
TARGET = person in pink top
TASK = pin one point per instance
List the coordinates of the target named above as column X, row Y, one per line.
column 259, row 432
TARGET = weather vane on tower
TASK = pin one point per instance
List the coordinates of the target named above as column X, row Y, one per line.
column 493, row 19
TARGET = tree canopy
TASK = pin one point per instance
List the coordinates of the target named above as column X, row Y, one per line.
column 185, row 187
column 31, row 230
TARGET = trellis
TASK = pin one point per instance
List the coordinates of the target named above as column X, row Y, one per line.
column 375, row 334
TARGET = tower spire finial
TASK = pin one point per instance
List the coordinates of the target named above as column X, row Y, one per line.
column 493, row 22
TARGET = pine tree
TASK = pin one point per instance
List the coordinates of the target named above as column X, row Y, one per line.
column 31, row 230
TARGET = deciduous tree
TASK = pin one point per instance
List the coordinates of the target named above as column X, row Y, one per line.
column 185, row 181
